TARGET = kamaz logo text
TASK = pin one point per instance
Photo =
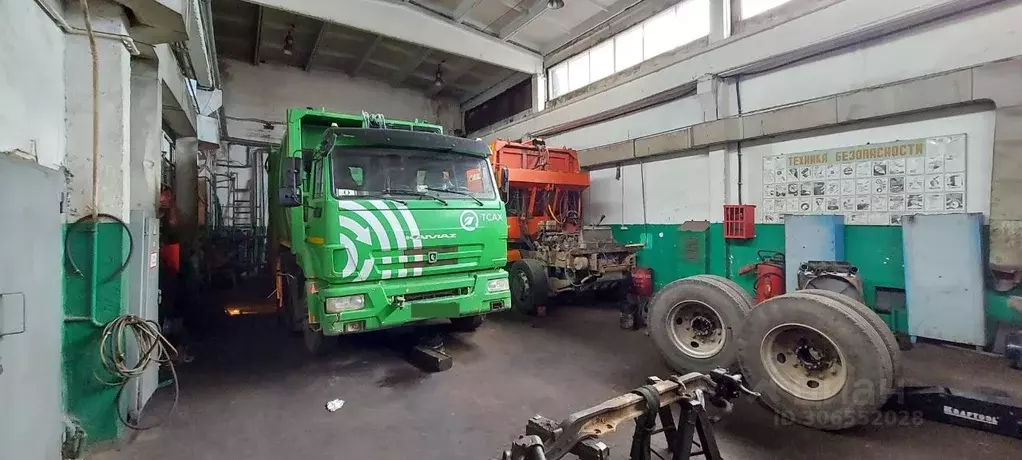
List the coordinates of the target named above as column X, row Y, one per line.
column 435, row 236
column 981, row 418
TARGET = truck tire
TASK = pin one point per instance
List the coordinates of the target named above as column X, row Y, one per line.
column 529, row 285
column 294, row 310
column 878, row 324
column 317, row 343
column 815, row 361
column 467, row 323
column 695, row 321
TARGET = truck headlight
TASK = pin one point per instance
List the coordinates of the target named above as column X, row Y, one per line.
column 497, row 285
column 346, row 303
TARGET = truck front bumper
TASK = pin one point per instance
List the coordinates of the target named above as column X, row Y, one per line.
column 397, row 302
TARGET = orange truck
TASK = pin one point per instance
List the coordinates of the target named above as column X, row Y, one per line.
column 550, row 251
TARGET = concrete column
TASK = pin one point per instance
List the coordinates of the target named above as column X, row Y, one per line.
column 538, row 92
column 146, row 134
column 113, row 111
column 186, row 180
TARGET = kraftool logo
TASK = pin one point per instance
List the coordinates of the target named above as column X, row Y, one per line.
column 469, row 220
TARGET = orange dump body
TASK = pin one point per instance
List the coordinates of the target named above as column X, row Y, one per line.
column 543, row 188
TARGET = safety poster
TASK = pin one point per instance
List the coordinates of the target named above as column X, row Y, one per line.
column 873, row 184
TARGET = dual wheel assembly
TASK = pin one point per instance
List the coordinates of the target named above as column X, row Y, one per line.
column 818, row 358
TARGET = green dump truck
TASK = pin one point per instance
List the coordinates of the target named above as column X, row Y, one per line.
column 378, row 223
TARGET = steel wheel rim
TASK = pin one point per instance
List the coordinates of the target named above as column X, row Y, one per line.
column 804, row 362
column 697, row 329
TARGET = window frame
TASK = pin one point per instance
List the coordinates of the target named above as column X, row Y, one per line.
column 640, row 29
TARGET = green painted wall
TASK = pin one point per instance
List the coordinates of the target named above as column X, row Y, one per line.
column 86, row 398
column 674, row 252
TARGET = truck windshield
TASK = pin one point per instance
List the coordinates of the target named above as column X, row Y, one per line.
column 366, row 172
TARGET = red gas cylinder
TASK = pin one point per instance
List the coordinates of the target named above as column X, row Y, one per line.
column 769, row 274
column 642, row 281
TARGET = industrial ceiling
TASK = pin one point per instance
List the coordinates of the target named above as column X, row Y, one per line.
column 260, row 34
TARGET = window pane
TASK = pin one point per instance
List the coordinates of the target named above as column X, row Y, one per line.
column 659, row 34
column 559, row 80
column 751, row 8
column 578, row 71
column 601, row 60
column 628, row 48
column 693, row 20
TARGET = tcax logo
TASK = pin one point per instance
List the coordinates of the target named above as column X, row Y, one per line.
column 469, row 220
column 981, row 418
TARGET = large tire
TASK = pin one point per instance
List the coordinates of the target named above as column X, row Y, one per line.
column 529, row 285
column 816, row 361
column 467, row 323
column 317, row 343
column 878, row 324
column 695, row 321
column 295, row 311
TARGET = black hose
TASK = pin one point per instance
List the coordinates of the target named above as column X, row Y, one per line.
column 81, row 221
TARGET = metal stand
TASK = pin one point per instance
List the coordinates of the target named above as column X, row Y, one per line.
column 580, row 433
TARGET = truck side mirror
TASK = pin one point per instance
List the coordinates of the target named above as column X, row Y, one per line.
column 290, row 193
column 505, row 183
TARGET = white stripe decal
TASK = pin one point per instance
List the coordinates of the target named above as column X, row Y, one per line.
column 370, row 218
column 351, row 253
column 413, row 228
column 367, row 269
column 399, row 232
column 386, row 260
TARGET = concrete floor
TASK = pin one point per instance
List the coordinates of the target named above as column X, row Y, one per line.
column 253, row 394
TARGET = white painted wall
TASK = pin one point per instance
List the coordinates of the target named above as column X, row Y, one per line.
column 665, row 117
column 31, row 83
column 31, row 130
column 988, row 35
column 253, row 94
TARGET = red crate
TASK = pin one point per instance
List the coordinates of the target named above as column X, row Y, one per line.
column 739, row 221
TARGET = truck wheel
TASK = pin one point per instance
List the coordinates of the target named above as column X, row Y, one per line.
column 294, row 309
column 467, row 323
column 815, row 361
column 694, row 323
column 317, row 343
column 529, row 285
column 891, row 342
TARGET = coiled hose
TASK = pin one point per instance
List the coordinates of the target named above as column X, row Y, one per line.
column 153, row 348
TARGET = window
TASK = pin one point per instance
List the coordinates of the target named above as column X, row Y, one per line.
column 676, row 26
column 409, row 174
column 578, row 71
column 660, row 34
column 601, row 61
column 628, row 48
column 751, row 8
column 693, row 20
column 559, row 80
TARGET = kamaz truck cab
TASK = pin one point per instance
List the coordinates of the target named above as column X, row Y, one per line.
column 378, row 223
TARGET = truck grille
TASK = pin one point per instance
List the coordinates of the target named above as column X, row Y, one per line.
column 433, row 295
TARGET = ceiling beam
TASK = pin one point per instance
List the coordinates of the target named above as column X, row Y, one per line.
column 257, row 46
column 404, row 22
column 414, row 64
column 596, row 4
column 463, row 8
column 536, row 10
column 315, row 46
column 365, row 56
column 452, row 78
